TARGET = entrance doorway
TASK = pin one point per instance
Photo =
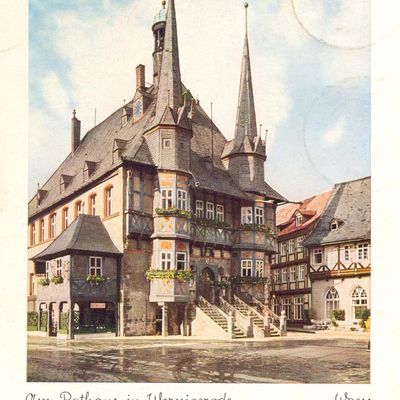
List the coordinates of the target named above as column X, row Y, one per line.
column 206, row 286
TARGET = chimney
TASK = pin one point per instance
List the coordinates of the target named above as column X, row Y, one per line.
column 140, row 77
column 75, row 132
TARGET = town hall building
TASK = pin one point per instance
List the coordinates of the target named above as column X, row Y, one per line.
column 155, row 223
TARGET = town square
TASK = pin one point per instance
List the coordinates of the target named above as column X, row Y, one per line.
column 164, row 248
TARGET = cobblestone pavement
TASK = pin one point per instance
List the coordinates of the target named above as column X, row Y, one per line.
column 296, row 359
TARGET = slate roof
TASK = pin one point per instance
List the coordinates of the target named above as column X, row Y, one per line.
column 86, row 233
column 98, row 144
column 310, row 209
column 350, row 203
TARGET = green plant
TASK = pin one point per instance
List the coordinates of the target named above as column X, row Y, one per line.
column 214, row 223
column 173, row 212
column 64, row 322
column 248, row 280
column 96, row 279
column 32, row 320
column 181, row 275
column 43, row 321
column 334, row 323
column 256, row 227
column 57, row 279
column 338, row 315
column 44, row 282
column 362, row 314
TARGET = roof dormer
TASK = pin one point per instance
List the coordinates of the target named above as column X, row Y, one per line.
column 88, row 169
column 298, row 218
column 65, row 180
column 335, row 224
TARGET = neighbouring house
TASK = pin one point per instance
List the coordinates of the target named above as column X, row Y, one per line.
column 340, row 254
column 290, row 267
column 178, row 220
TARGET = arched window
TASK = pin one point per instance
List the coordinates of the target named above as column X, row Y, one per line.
column 331, row 302
column 359, row 301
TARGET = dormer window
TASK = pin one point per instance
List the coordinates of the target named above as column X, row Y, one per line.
column 65, row 180
column 299, row 219
column 334, row 225
column 88, row 169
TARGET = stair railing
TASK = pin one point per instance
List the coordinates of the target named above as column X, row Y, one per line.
column 203, row 302
column 264, row 308
column 241, row 320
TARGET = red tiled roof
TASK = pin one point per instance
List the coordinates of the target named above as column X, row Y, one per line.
column 310, row 208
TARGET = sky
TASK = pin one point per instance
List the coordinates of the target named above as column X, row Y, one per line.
column 310, row 67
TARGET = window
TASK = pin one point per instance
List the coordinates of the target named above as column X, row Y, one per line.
column 78, row 208
column 292, row 274
column 33, row 234
column 180, row 261
column 182, row 199
column 220, row 212
column 47, row 273
column 318, row 256
column 299, row 219
column 362, row 250
column 347, row 250
column 259, row 215
column 200, row 208
column 284, row 275
column 291, row 246
column 259, row 268
column 108, row 210
column 42, row 230
column 334, row 225
column 92, row 204
column 247, row 266
column 283, row 248
column 95, row 266
column 166, row 258
column 301, row 272
column 65, row 218
column 247, row 215
column 210, row 210
column 298, row 308
column 58, row 267
column 166, row 198
column 53, row 226
column 277, row 276
column 167, row 143
column 331, row 302
column 286, row 306
column 359, row 302
column 299, row 241
column 275, row 305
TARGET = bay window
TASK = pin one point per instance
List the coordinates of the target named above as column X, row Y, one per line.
column 181, row 199
column 246, row 267
column 180, row 261
column 166, row 198
column 259, row 215
column 166, row 260
column 247, row 215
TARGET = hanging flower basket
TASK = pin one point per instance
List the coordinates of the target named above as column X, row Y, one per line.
column 57, row 279
column 96, row 280
column 256, row 227
column 44, row 282
column 173, row 212
column 181, row 275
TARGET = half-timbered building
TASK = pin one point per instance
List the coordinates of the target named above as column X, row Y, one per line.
column 189, row 217
column 340, row 253
column 290, row 267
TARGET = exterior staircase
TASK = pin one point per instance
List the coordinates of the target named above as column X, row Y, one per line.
column 220, row 318
column 247, row 310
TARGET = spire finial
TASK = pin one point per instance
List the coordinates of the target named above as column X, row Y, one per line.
column 163, row 3
column 74, row 113
column 246, row 6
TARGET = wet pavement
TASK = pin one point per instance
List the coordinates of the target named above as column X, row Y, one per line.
column 295, row 359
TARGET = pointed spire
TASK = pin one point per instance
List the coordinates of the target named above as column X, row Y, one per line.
column 170, row 89
column 246, row 115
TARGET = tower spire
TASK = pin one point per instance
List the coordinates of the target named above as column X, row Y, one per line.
column 246, row 115
column 170, row 88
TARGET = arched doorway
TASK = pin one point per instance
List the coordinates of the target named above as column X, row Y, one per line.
column 206, row 284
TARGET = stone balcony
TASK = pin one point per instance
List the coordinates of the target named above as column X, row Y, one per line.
column 138, row 223
column 169, row 290
column 78, row 290
column 255, row 239
column 210, row 234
